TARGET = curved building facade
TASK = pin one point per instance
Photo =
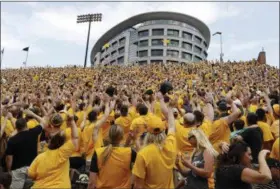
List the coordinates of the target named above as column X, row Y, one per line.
column 153, row 37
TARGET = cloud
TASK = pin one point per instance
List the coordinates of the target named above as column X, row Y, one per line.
column 254, row 44
column 59, row 22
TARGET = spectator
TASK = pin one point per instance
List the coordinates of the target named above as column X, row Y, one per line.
column 111, row 165
column 233, row 169
column 22, row 149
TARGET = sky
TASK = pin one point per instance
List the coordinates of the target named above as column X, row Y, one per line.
column 55, row 39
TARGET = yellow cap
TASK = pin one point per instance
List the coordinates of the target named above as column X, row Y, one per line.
column 276, row 109
column 155, row 125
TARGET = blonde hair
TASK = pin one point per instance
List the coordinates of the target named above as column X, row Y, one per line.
column 115, row 136
column 157, row 139
column 202, row 141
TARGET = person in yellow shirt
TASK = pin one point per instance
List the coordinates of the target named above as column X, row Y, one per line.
column 182, row 130
column 267, row 135
column 139, row 125
column 154, row 164
column 275, row 127
column 54, row 173
column 124, row 121
column 76, row 159
column 111, row 165
column 92, row 133
column 275, row 153
column 220, row 128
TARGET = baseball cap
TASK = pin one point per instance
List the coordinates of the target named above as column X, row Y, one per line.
column 276, row 109
column 155, row 125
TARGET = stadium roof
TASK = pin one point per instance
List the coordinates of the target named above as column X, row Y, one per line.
column 132, row 21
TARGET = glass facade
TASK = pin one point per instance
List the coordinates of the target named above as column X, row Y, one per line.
column 187, row 56
column 157, row 52
column 121, row 60
column 121, row 50
column 143, row 33
column 156, row 32
column 187, row 35
column 184, row 45
column 172, row 53
column 187, row 46
column 143, row 53
column 157, row 42
column 197, row 59
column 122, row 41
column 173, row 43
column 174, row 33
column 197, row 50
column 198, row 40
column 143, row 43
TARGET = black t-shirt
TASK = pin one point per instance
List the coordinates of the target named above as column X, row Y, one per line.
column 23, row 147
column 254, row 138
column 229, row 177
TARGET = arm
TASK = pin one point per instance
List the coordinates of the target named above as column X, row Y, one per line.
column 162, row 104
column 139, row 183
column 171, row 121
column 268, row 104
column 101, row 121
column 234, row 115
column 92, row 180
column 263, row 176
column 9, row 162
column 3, row 127
column 208, row 165
column 42, row 121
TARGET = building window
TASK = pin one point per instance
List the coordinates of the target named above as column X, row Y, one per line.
column 173, row 43
column 174, row 33
column 143, row 43
column 205, row 44
column 101, row 60
column 205, row 54
column 115, row 44
column 114, row 53
column 142, row 53
column 172, row 53
column 197, row 39
column 121, row 50
column 142, row 62
column 121, row 60
column 157, row 32
column 106, row 55
column 157, row 42
column 197, row 50
column 187, row 56
column 187, row 46
column 197, row 59
column 143, row 33
column 157, row 52
column 156, row 61
column 122, row 41
column 172, row 61
column 187, row 35
column 113, row 62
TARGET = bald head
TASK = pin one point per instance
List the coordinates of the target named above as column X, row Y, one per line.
column 189, row 119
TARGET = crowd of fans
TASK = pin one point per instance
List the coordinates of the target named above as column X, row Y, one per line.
column 192, row 126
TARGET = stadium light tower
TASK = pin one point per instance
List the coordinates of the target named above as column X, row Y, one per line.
column 88, row 18
column 221, row 43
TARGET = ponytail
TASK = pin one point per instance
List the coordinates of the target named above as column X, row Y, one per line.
column 107, row 153
column 115, row 137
